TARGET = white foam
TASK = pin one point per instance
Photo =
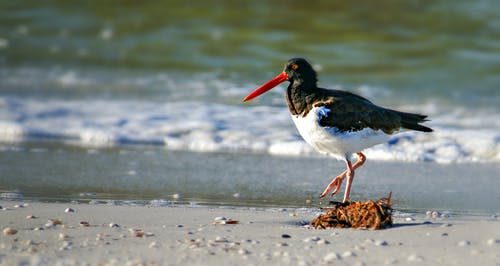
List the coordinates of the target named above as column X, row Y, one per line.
column 212, row 127
column 10, row 131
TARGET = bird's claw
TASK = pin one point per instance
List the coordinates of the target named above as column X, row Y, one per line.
column 335, row 185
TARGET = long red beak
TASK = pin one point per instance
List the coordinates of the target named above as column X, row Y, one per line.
column 282, row 77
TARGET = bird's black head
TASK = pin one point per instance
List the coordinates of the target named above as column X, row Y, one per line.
column 299, row 71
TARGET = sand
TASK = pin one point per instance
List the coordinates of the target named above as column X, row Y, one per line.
column 101, row 234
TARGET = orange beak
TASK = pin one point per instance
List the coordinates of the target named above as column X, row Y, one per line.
column 282, row 77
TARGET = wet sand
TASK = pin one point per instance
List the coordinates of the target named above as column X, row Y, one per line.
column 99, row 234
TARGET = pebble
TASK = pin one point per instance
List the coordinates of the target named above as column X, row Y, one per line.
column 49, row 224
column 322, row 242
column 224, row 220
column 154, row 244
column 243, row 251
column 463, row 243
column 176, row 196
column 312, row 239
column 55, row 221
column 380, row 243
column 285, row 236
column 220, row 218
column 66, row 245
column 113, row 225
column 331, row 257
column 63, row 236
column 38, row 229
column 348, row 254
column 136, row 232
column 493, row 241
column 236, row 195
column 179, row 225
column 84, row 224
column 9, row 231
column 31, row 217
column 221, row 239
column 415, row 257
column 409, row 219
column 282, row 244
column 18, row 206
column 68, row 210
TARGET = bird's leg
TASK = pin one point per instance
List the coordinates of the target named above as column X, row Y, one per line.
column 350, row 177
column 350, row 174
column 337, row 181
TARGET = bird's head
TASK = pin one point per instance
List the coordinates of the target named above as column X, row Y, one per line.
column 297, row 70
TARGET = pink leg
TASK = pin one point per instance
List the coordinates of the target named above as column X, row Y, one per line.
column 337, row 181
column 350, row 177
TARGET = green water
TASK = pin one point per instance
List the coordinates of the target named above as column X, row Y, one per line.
column 444, row 50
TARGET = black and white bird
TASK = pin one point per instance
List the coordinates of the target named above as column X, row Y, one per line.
column 337, row 122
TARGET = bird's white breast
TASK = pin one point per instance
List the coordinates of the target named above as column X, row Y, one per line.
column 330, row 139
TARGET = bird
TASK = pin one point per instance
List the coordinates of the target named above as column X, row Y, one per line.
column 337, row 122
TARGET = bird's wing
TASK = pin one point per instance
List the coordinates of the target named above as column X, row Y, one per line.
column 350, row 112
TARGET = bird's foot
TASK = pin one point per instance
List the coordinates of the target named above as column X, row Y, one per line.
column 335, row 185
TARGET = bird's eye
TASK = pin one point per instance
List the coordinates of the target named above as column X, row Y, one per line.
column 294, row 66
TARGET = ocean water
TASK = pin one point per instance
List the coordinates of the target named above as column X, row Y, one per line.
column 171, row 76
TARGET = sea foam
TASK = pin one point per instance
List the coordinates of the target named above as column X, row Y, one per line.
column 217, row 127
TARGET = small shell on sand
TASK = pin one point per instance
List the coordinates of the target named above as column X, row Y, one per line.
column 84, row 224
column 415, row 257
column 68, row 210
column 493, row 241
column 221, row 239
column 53, row 222
column 154, row 244
column 137, row 232
column 63, row 236
column 312, row 239
column 224, row 220
column 56, row 221
column 348, row 254
column 9, row 231
column 31, row 217
column 332, row 256
column 113, row 225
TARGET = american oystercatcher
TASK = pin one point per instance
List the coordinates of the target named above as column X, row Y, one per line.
column 337, row 122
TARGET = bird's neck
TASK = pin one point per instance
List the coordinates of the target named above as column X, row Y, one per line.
column 300, row 96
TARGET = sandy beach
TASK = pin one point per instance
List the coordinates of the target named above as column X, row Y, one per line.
column 103, row 234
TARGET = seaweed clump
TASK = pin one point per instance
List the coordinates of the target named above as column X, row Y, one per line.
column 362, row 215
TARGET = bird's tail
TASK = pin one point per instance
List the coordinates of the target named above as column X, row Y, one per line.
column 411, row 121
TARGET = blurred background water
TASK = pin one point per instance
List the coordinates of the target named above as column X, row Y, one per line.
column 172, row 74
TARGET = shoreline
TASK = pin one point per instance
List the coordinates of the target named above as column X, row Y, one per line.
column 196, row 235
